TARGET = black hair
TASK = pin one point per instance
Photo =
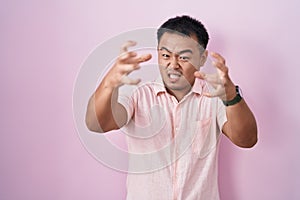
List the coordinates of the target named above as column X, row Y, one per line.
column 185, row 25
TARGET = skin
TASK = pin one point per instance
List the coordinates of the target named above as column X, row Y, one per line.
column 104, row 100
column 180, row 59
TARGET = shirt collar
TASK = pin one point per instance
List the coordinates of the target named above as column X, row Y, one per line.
column 158, row 86
column 198, row 86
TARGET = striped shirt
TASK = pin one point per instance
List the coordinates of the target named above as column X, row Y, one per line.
column 173, row 145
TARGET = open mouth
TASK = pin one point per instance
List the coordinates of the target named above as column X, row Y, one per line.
column 174, row 76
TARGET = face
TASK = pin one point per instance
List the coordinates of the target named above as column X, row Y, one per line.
column 179, row 57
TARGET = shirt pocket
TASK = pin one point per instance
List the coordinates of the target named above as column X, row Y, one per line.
column 148, row 122
column 205, row 139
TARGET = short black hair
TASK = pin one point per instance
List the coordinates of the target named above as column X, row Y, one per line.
column 185, row 25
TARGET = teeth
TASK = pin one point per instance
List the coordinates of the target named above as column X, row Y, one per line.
column 174, row 76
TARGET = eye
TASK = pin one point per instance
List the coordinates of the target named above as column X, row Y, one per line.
column 184, row 58
column 165, row 55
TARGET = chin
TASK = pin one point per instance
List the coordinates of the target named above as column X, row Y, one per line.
column 175, row 86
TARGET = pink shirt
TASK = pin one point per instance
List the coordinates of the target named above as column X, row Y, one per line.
column 173, row 145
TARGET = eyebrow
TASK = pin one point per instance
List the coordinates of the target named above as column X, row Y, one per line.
column 180, row 52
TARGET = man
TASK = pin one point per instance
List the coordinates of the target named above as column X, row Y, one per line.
column 178, row 116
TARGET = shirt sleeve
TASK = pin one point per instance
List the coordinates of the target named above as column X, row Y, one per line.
column 126, row 99
column 221, row 114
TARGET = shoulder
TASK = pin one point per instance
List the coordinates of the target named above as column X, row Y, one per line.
column 149, row 88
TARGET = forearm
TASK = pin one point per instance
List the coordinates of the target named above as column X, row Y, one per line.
column 104, row 113
column 241, row 125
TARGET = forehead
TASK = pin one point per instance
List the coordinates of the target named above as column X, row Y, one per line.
column 177, row 42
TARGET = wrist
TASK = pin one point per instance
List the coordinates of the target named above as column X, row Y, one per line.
column 110, row 83
column 230, row 92
column 234, row 97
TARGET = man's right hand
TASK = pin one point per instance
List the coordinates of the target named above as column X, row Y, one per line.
column 104, row 113
column 127, row 62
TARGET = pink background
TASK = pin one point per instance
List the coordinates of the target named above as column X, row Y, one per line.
column 43, row 44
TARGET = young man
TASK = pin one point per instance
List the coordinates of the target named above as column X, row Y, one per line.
column 178, row 117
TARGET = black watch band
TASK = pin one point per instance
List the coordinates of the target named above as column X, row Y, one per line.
column 236, row 99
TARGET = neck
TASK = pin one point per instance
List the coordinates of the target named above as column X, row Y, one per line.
column 179, row 94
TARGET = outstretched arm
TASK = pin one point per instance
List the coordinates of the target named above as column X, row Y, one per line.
column 241, row 126
column 104, row 113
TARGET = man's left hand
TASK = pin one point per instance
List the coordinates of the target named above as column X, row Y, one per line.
column 223, row 87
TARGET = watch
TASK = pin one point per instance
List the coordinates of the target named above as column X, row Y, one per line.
column 236, row 99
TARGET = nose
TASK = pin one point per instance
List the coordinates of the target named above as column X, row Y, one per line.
column 173, row 62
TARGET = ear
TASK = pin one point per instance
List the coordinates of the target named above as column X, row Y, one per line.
column 203, row 58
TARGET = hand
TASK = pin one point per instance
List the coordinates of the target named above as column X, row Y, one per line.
column 223, row 87
column 126, row 63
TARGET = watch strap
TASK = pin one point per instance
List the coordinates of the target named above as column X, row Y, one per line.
column 236, row 99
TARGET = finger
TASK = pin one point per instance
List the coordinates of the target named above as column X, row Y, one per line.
column 126, row 45
column 214, row 93
column 218, row 57
column 207, row 94
column 137, row 60
column 221, row 67
column 213, row 80
column 210, row 78
column 144, row 58
column 211, row 95
column 126, row 55
column 129, row 68
column 128, row 81
column 200, row 75
column 133, row 59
